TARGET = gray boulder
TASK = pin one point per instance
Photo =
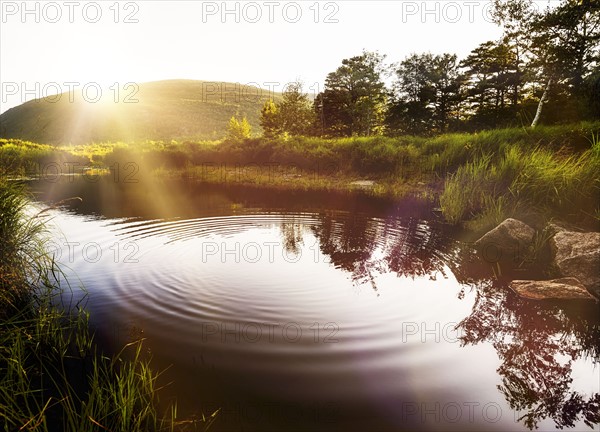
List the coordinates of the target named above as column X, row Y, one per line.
column 577, row 254
column 508, row 241
column 560, row 289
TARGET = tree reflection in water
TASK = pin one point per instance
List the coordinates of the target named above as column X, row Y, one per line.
column 365, row 247
column 537, row 342
column 291, row 234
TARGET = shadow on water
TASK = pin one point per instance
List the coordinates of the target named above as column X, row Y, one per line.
column 538, row 345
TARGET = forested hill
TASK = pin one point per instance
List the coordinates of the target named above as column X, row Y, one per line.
column 162, row 110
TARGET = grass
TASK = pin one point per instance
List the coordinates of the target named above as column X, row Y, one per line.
column 25, row 158
column 547, row 181
column 291, row 178
column 480, row 177
column 52, row 375
column 24, row 261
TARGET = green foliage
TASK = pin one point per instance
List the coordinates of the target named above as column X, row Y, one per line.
column 426, row 95
column 354, row 99
column 295, row 113
column 560, row 48
column 269, row 120
column 465, row 190
column 494, row 84
column 292, row 116
column 238, row 130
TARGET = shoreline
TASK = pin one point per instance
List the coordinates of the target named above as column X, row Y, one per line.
column 478, row 178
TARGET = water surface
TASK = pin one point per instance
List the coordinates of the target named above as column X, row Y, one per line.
column 306, row 311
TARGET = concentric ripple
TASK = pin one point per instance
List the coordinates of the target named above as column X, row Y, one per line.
column 301, row 284
column 300, row 308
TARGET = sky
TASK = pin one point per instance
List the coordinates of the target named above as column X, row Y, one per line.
column 49, row 47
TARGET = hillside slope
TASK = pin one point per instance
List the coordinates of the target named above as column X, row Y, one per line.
column 162, row 110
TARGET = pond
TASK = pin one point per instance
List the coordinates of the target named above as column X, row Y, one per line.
column 312, row 311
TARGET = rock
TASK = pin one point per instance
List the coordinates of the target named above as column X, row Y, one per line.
column 577, row 254
column 509, row 240
column 560, row 289
column 553, row 228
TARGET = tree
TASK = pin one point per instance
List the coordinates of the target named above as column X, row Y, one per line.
column 295, row 113
column 292, row 116
column 493, row 80
column 566, row 41
column 354, row 99
column 426, row 93
column 269, row 120
column 331, row 108
column 411, row 110
column 562, row 44
column 447, row 84
column 238, row 130
column 593, row 95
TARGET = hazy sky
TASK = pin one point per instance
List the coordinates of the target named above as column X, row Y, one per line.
column 46, row 45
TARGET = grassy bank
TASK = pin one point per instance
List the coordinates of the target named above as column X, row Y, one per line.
column 518, row 182
column 52, row 376
column 480, row 178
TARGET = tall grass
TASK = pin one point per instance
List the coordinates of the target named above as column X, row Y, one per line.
column 23, row 260
column 466, row 191
column 52, row 376
column 552, row 182
column 22, row 157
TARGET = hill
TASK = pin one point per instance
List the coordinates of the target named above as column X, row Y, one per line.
column 162, row 110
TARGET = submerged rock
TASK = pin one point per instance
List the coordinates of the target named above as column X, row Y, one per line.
column 508, row 241
column 561, row 289
column 577, row 254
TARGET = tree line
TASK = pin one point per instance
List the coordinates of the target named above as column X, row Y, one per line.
column 544, row 68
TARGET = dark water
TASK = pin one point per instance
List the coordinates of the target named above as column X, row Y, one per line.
column 304, row 312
